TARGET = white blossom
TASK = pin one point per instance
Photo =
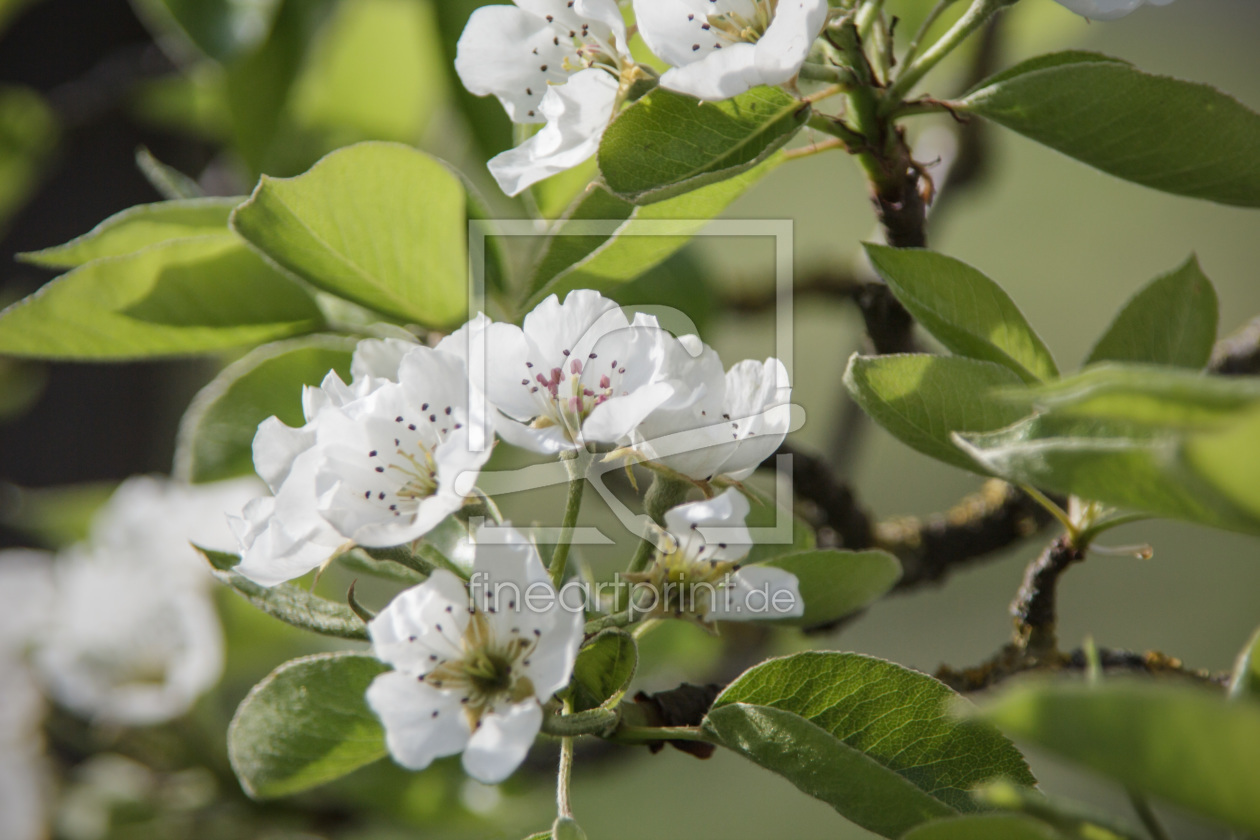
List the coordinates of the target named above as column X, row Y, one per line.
column 131, row 635
column 471, row 672
column 395, row 463
column 561, row 62
column 721, row 48
column 283, row 536
column 696, row 573
column 1107, row 9
column 577, row 372
column 729, row 423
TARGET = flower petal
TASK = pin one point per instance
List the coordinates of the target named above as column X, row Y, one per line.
column 421, row 722
column 406, row 633
column 717, row 524
column 720, row 75
column 784, row 47
column 758, row 592
column 500, row 744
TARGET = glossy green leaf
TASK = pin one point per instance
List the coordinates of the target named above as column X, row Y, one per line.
column 289, row 603
column 305, row 724
column 603, row 670
column 890, row 726
column 175, row 298
column 1188, row 745
column 1172, row 321
column 922, row 400
column 1176, row 136
column 1146, row 395
column 966, row 311
column 574, row 259
column 1130, row 466
column 861, row 789
column 837, row 583
column 380, row 224
column 138, row 227
column 985, row 827
column 216, row 434
column 1245, row 680
column 667, row 143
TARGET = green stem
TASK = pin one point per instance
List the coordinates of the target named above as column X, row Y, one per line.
column 617, row 619
column 643, row 734
column 972, row 19
column 565, row 774
column 851, row 139
column 1147, row 816
column 932, row 17
column 576, row 465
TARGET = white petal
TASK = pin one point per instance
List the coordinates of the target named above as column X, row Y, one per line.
column 758, row 592
column 378, row 358
column 715, row 524
column 1104, row 9
column 787, row 41
column 613, row 419
column 421, row 722
column 561, row 331
column 757, row 403
column 675, row 29
column 422, row 622
column 719, row 75
column 26, row 578
column 607, row 15
column 577, row 113
column 275, row 447
column 513, row 54
column 499, row 746
column 507, row 378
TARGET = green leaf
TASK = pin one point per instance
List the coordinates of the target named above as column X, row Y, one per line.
column 985, row 827
column 138, row 227
column 305, row 724
column 216, row 434
column 1189, row 746
column 373, row 73
column 1069, row 818
column 922, row 400
column 1130, row 466
column 861, row 789
column 1170, row 322
column 836, row 583
column 1146, row 395
column 574, row 260
column 966, row 311
column 289, row 603
column 885, row 730
column 167, row 180
column 175, row 298
column 1245, row 680
column 765, row 513
column 1176, row 136
column 604, row 668
column 380, row 224
column 222, row 29
column 667, row 144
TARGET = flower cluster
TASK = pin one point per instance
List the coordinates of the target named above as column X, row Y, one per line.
column 567, row 64
column 382, row 461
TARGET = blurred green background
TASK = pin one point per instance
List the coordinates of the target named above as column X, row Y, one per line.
column 1068, row 243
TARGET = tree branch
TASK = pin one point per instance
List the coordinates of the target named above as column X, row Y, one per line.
column 1011, row 661
column 1238, row 354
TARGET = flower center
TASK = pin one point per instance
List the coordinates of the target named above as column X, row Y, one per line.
column 734, row 27
column 682, row 580
column 489, row 670
column 409, row 473
column 570, row 392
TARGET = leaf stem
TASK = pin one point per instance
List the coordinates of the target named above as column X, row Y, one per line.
column 975, row 17
column 913, row 49
column 576, row 466
column 1055, row 511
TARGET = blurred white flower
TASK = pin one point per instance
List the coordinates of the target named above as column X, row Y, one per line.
column 471, row 673
column 283, row 536
column 721, row 48
column 696, row 573
column 721, row 425
column 578, row 372
column 555, row 61
column 1107, row 9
